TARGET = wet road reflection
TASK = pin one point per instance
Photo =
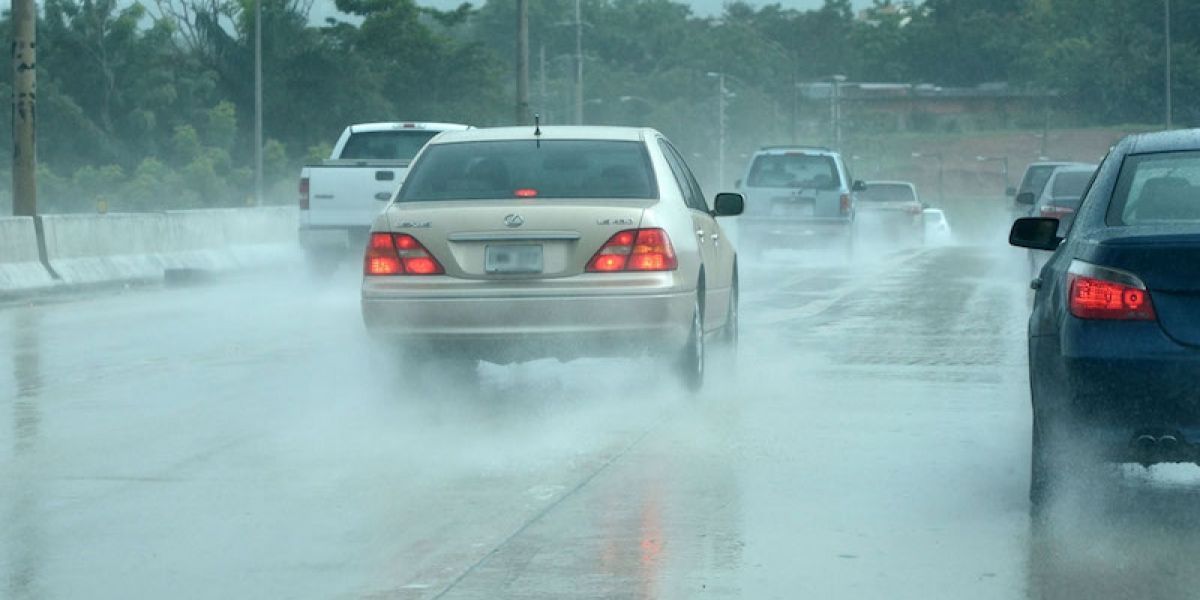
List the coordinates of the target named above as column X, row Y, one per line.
column 22, row 528
column 870, row 441
column 1136, row 538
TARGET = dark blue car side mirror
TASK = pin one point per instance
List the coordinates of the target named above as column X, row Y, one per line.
column 1037, row 233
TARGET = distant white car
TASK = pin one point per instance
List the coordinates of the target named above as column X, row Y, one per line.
column 937, row 227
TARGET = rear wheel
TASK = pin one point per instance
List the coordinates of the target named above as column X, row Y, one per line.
column 691, row 360
column 729, row 334
column 321, row 265
column 1041, row 469
column 1061, row 461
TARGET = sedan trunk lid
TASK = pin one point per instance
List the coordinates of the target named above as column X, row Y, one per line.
column 515, row 239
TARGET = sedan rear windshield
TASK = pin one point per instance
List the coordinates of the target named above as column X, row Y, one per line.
column 798, row 170
column 500, row 170
column 386, row 145
column 887, row 192
column 1036, row 178
column 1157, row 188
column 1070, row 184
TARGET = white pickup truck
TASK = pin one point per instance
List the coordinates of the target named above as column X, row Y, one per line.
column 340, row 196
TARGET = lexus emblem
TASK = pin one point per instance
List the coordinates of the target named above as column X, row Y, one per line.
column 514, row 220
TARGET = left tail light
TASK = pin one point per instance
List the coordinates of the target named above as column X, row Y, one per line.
column 635, row 250
column 398, row 254
column 303, row 193
column 1097, row 292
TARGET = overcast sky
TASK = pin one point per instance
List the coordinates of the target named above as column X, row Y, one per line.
column 704, row 8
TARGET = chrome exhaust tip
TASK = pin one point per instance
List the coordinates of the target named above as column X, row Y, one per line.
column 1145, row 442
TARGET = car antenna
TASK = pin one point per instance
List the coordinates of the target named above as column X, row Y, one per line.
column 537, row 128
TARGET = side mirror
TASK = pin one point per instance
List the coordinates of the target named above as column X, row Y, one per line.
column 1025, row 198
column 859, row 186
column 729, row 205
column 1037, row 233
column 924, row 205
column 1010, row 191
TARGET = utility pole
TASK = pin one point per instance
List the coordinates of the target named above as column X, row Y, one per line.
column 24, row 102
column 542, row 81
column 1167, row 28
column 258, row 105
column 578, row 63
column 522, row 62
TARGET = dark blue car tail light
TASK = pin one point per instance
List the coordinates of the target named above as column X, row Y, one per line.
column 1097, row 292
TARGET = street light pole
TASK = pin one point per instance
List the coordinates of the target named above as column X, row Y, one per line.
column 720, row 127
column 940, row 181
column 1003, row 160
column 1167, row 28
column 24, row 115
column 578, row 63
column 258, row 105
column 837, row 111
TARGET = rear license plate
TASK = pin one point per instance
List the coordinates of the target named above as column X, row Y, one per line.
column 793, row 207
column 513, row 259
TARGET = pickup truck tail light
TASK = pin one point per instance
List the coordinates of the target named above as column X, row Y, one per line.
column 1097, row 292
column 1055, row 212
column 303, row 193
column 398, row 254
column 844, row 204
column 635, row 250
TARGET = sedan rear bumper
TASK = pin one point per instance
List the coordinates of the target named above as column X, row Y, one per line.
column 505, row 328
column 1115, row 382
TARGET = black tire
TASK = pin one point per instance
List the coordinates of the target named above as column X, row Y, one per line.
column 692, row 358
column 1042, row 475
column 729, row 333
column 1061, row 460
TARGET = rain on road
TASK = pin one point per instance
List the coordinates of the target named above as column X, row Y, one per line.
column 245, row 439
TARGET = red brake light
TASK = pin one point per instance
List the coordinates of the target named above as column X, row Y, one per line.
column 399, row 254
column 303, row 193
column 381, row 258
column 526, row 193
column 845, row 204
column 635, row 250
column 1099, row 293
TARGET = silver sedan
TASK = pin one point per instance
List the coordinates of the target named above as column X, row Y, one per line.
column 517, row 243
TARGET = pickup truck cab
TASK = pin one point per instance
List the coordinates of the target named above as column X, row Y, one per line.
column 340, row 196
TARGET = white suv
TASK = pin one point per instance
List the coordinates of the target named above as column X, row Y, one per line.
column 797, row 196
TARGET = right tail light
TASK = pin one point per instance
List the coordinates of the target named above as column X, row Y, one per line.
column 1096, row 292
column 635, row 250
column 844, row 204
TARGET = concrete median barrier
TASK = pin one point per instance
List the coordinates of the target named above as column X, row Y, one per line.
column 85, row 249
column 20, row 267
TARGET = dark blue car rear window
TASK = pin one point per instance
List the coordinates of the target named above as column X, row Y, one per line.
column 1157, row 188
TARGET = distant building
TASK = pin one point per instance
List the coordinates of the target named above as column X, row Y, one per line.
column 867, row 106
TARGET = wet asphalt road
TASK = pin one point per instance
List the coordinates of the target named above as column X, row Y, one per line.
column 244, row 439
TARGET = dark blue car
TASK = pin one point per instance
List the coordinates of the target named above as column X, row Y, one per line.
column 1114, row 338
